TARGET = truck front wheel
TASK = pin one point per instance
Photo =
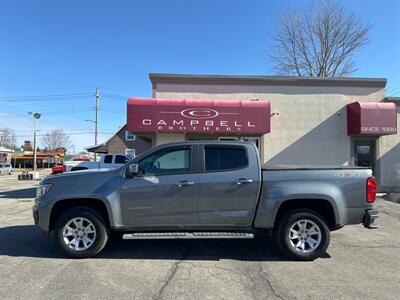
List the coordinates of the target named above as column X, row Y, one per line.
column 81, row 232
column 302, row 234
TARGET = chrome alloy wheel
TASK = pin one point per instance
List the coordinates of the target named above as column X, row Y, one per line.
column 79, row 234
column 305, row 236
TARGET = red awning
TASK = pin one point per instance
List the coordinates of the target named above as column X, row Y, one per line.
column 376, row 118
column 182, row 115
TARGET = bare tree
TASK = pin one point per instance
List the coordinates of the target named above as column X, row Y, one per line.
column 319, row 42
column 7, row 138
column 56, row 139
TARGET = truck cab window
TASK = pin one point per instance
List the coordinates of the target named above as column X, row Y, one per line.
column 120, row 159
column 225, row 158
column 168, row 161
column 108, row 159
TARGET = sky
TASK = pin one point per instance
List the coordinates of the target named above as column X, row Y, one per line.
column 53, row 54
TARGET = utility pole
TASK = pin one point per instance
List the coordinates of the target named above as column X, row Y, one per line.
column 97, row 119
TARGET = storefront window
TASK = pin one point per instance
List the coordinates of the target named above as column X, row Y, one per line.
column 254, row 140
column 364, row 154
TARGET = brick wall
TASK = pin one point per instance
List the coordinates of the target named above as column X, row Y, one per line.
column 118, row 144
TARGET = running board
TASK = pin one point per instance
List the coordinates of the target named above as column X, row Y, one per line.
column 187, row 235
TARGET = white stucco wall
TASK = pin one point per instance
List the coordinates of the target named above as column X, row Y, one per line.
column 163, row 138
column 388, row 159
column 308, row 125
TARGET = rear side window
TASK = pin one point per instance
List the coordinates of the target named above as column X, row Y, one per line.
column 108, row 159
column 120, row 159
column 225, row 158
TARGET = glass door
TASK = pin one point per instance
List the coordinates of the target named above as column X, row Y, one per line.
column 364, row 154
column 255, row 140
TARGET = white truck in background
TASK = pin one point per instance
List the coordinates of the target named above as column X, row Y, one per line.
column 107, row 161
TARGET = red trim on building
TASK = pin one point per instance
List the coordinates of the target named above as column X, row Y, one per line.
column 39, row 155
column 184, row 115
column 373, row 118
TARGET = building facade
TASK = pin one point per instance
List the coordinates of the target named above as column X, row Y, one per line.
column 5, row 154
column 124, row 141
column 295, row 121
column 24, row 159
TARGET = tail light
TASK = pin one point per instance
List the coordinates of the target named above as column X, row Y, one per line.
column 371, row 189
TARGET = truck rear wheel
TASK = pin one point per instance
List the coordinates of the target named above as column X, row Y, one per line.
column 81, row 232
column 302, row 234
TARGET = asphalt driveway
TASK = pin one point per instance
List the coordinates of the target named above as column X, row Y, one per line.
column 360, row 264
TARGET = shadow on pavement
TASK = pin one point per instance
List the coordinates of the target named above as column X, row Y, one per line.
column 19, row 194
column 25, row 241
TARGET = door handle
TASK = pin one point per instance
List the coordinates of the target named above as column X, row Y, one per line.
column 243, row 181
column 184, row 183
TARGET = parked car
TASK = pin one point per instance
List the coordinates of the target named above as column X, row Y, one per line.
column 57, row 169
column 200, row 190
column 107, row 161
column 6, row 168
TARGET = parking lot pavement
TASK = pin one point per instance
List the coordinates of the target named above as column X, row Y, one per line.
column 360, row 263
column 12, row 188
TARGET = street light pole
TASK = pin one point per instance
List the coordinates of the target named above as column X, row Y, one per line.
column 97, row 119
column 34, row 145
column 35, row 117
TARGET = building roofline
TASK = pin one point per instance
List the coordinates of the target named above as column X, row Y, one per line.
column 265, row 80
column 105, row 142
column 4, row 149
column 392, row 99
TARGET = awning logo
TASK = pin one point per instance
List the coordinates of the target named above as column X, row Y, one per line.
column 199, row 113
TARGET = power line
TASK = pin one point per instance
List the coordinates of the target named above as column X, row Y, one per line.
column 52, row 113
column 46, row 96
column 395, row 91
column 34, row 101
column 114, row 96
column 52, row 108
column 72, row 129
column 113, row 112
column 67, row 133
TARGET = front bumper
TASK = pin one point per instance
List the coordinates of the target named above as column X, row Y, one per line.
column 369, row 218
column 40, row 220
column 35, row 213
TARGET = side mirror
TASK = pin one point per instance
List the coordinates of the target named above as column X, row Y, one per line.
column 132, row 170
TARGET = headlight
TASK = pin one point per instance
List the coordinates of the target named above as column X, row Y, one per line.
column 43, row 189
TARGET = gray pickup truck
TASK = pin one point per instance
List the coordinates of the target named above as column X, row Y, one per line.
column 204, row 189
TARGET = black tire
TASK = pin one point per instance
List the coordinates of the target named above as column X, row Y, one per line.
column 11, row 172
column 101, row 230
column 284, row 242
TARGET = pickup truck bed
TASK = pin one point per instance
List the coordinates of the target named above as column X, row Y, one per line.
column 341, row 187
